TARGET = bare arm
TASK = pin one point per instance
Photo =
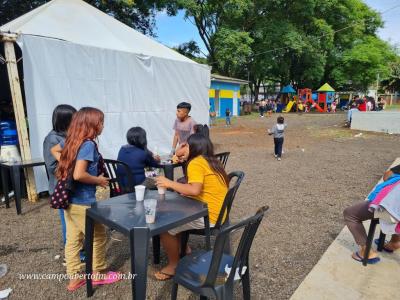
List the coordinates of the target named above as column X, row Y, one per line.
column 175, row 141
column 188, row 189
column 56, row 151
column 81, row 175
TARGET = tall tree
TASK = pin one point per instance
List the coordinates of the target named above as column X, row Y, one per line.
column 303, row 42
column 228, row 45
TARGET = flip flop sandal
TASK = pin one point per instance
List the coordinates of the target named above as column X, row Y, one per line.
column 76, row 286
column 109, row 278
column 376, row 241
column 166, row 276
column 370, row 261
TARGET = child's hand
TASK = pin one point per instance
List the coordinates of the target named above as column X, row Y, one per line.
column 103, row 181
column 162, row 181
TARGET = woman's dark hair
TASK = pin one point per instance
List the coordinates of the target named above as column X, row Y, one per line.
column 185, row 105
column 200, row 145
column 136, row 136
column 62, row 116
column 202, row 129
column 280, row 120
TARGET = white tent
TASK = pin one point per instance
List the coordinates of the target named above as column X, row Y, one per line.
column 75, row 54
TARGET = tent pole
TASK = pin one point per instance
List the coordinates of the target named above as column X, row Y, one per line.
column 19, row 111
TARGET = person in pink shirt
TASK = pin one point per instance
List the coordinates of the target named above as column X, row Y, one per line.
column 183, row 126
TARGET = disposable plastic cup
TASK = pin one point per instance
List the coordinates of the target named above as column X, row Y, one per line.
column 150, row 207
column 139, row 191
column 161, row 190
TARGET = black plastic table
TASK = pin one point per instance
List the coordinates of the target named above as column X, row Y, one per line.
column 15, row 169
column 126, row 215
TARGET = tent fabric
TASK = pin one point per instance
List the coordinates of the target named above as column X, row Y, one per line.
column 325, row 88
column 78, row 22
column 132, row 88
column 288, row 90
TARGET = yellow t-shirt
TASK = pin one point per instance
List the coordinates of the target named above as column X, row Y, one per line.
column 214, row 188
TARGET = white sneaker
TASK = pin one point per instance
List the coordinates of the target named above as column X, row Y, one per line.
column 275, row 155
column 279, row 159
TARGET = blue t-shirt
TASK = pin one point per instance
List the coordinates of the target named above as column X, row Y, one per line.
column 85, row 194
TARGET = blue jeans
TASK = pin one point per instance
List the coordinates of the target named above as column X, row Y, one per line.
column 278, row 146
column 228, row 120
column 63, row 226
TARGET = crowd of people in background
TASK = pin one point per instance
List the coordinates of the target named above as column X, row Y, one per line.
column 364, row 104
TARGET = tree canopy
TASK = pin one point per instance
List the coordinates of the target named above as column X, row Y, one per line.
column 302, row 42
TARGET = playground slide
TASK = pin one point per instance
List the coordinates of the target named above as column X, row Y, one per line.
column 288, row 107
column 317, row 107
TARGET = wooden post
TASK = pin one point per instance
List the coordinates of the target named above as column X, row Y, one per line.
column 19, row 112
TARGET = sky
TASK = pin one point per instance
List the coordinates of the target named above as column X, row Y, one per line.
column 172, row 31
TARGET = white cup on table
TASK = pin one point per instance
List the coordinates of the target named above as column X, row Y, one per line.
column 161, row 190
column 139, row 192
column 150, row 207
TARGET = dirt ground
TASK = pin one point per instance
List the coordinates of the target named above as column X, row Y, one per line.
column 325, row 167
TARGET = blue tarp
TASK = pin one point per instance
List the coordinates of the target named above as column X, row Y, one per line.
column 288, row 90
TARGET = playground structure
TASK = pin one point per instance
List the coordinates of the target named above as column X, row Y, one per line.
column 286, row 100
column 326, row 95
column 305, row 98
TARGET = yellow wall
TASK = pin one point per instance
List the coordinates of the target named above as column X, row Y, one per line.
column 211, row 93
column 225, row 94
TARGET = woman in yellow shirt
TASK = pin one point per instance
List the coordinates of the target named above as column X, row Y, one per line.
column 207, row 182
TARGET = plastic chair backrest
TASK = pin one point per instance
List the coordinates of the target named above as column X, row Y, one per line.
column 241, row 258
column 223, row 157
column 116, row 182
column 230, row 196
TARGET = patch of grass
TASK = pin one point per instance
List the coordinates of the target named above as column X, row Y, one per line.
column 253, row 115
column 394, row 107
column 336, row 133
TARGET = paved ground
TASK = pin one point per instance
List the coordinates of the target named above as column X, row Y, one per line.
column 325, row 168
column 337, row 276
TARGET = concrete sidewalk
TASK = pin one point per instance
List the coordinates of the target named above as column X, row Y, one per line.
column 338, row 276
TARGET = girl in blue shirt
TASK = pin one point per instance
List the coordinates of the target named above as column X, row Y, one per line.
column 79, row 158
column 136, row 155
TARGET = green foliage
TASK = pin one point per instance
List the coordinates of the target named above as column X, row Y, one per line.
column 192, row 51
column 364, row 61
column 232, row 49
column 303, row 42
column 392, row 82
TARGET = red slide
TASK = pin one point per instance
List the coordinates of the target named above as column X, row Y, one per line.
column 314, row 104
